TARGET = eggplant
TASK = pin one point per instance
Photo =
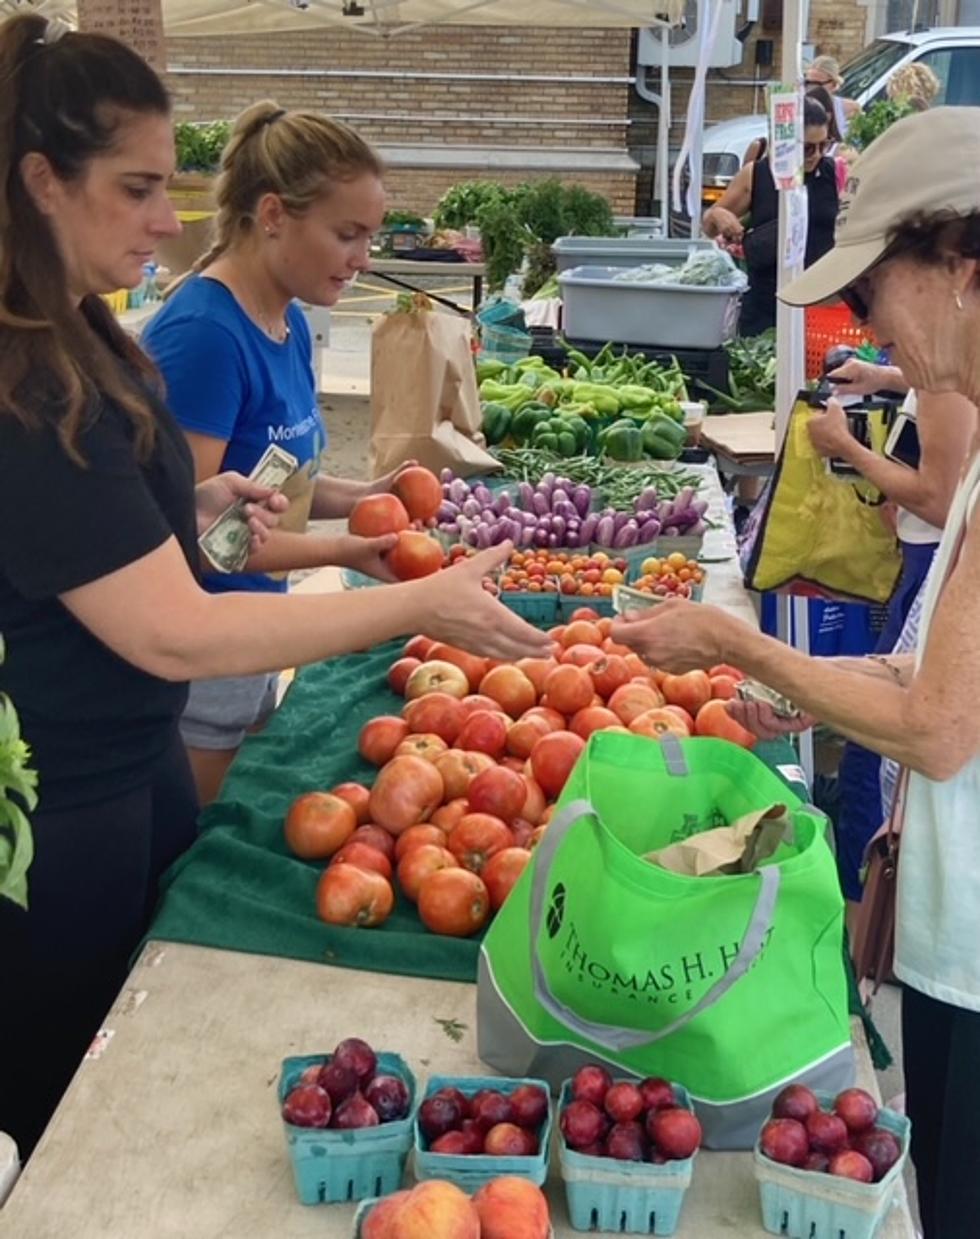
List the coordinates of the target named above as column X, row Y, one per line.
column 501, row 503
column 544, row 522
column 483, row 496
column 647, row 501
column 700, row 506
column 582, row 499
column 525, row 496
column 529, row 519
column 559, row 529
column 540, row 537
column 447, row 511
column 671, row 531
column 498, row 534
column 571, row 537
column 489, row 516
column 558, row 496
column 540, row 504
column 587, row 531
column 605, row 531
column 699, row 527
column 684, row 497
column 446, row 476
column 527, row 536
column 567, row 511
column 459, row 492
column 471, row 508
column 514, row 514
column 622, row 519
column 626, row 536
column 547, row 484
column 552, row 539
column 445, row 490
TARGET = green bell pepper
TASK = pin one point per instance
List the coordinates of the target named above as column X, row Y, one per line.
column 663, row 439
column 525, row 421
column 622, row 441
column 579, row 428
column 488, row 369
column 496, row 422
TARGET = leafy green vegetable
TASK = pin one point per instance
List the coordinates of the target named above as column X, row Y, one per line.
column 199, row 146
column 751, row 375
column 461, row 204
column 17, row 791
column 403, row 219
column 873, row 122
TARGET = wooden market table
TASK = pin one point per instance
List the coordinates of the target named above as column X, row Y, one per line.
column 172, row 1131
column 401, row 272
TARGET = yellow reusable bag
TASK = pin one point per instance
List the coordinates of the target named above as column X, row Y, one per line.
column 817, row 532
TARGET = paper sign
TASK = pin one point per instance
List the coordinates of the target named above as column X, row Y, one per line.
column 786, row 135
column 797, row 222
column 136, row 22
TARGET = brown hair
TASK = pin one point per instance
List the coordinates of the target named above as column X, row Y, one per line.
column 930, row 238
column 63, row 96
column 823, row 96
column 297, row 155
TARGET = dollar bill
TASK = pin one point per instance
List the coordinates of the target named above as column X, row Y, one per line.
column 225, row 543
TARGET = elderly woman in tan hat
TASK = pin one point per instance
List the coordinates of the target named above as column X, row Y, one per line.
column 907, row 262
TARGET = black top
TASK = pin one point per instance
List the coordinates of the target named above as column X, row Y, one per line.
column 96, row 724
column 823, row 204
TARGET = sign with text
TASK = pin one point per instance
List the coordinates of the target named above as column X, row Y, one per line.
column 786, row 135
column 136, row 22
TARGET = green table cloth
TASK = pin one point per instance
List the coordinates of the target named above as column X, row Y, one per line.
column 238, row 888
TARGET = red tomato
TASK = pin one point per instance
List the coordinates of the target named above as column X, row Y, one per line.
column 552, row 759
column 454, row 902
column 375, row 515
column 317, row 824
column 714, row 720
column 420, row 491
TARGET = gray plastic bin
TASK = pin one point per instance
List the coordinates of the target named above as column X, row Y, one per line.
column 572, row 252
column 598, row 307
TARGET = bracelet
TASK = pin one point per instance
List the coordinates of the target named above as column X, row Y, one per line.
column 884, row 661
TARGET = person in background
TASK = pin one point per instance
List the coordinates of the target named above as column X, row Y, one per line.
column 825, row 71
column 916, row 84
column 907, row 263
column 758, row 148
column 102, row 614
column 946, row 427
column 299, row 198
column 752, row 192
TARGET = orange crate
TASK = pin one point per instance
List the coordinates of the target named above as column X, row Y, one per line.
column 826, row 327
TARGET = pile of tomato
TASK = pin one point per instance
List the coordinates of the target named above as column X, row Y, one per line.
column 469, row 769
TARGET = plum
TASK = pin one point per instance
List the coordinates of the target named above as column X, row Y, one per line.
column 623, row 1102
column 656, row 1093
column 389, row 1096
column 490, row 1108
column 340, row 1082
column 529, row 1106
column 437, row 1115
column 358, row 1055
column 826, row 1133
column 591, row 1083
column 311, row 1075
column 785, row 1141
column 818, row 1162
column 474, row 1136
column 459, row 1097
column 857, row 1109
column 796, row 1101
column 627, row 1142
column 675, row 1132
column 509, row 1140
column 881, row 1148
column 452, row 1142
column 355, row 1112
column 582, row 1124
column 852, row 1165
column 307, row 1106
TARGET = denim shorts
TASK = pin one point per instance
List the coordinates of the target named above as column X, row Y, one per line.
column 219, row 712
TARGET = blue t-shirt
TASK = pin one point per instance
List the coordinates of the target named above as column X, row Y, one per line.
column 226, row 378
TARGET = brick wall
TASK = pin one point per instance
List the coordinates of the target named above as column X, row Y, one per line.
column 413, row 91
column 838, row 29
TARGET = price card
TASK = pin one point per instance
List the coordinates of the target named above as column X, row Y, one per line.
column 786, row 135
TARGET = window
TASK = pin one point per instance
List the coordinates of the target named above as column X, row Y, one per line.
column 958, row 70
column 874, row 63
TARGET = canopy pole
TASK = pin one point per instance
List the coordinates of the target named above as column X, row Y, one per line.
column 663, row 132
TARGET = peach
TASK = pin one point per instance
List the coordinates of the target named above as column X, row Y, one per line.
column 512, row 1208
column 379, row 1220
column 435, row 1208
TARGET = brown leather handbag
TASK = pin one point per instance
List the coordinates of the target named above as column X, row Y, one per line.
column 873, row 944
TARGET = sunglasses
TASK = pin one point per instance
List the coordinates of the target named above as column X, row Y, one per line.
column 814, row 148
column 856, row 299
column 821, row 81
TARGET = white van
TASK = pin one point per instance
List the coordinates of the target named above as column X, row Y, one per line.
column 952, row 53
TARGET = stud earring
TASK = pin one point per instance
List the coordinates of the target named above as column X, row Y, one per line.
column 959, row 301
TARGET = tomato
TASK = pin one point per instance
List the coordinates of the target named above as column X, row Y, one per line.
column 346, row 895
column 380, row 737
column 473, row 667
column 552, row 759
column 726, row 669
column 357, row 796
column 723, row 687
column 555, row 721
column 592, row 718
column 478, row 836
column 414, row 555
column 608, row 674
column 425, row 745
column 459, row 768
column 375, row 837
column 634, row 699
column 485, row 731
column 683, row 715
column 502, row 871
column 317, row 824
column 569, row 689
column 714, row 720
column 436, row 713
column 373, row 516
column 581, row 632
column 408, row 790
column 510, row 688
column 420, row 491
column 534, row 805
column 363, row 857
column 418, row 647
column 499, row 792
column 435, row 676
column 537, row 670
column 417, row 836
column 690, row 690
column 523, row 735
column 450, row 813
column 657, row 723
column 418, row 863
column 582, row 655
column 586, row 613
column 454, row 902
column 399, row 672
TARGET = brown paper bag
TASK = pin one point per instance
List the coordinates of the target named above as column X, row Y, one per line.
column 424, row 400
column 738, row 848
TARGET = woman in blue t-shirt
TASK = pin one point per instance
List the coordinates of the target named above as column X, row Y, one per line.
column 299, row 198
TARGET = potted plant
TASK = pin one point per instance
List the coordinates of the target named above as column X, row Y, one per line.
column 18, row 797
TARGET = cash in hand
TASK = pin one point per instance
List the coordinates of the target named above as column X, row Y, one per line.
column 226, row 543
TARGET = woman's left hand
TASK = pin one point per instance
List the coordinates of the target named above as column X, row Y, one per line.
column 263, row 506
column 829, row 432
column 676, row 635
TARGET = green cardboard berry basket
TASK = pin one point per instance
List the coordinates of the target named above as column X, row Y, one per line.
column 331, row 1166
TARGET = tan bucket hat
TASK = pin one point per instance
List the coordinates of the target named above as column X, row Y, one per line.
column 926, row 163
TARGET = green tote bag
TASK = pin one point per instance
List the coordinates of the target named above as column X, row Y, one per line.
column 732, row 985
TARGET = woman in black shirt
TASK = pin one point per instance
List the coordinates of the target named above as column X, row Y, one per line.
column 753, row 192
column 102, row 615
